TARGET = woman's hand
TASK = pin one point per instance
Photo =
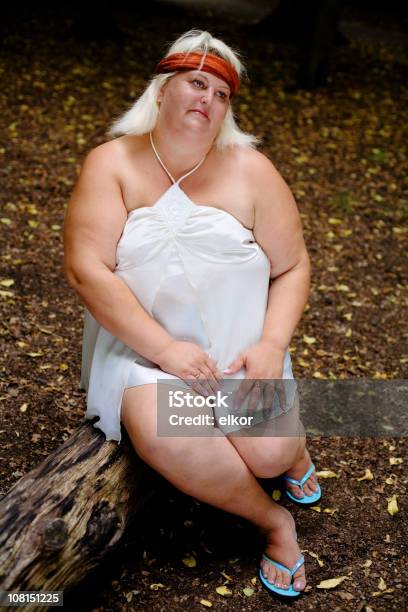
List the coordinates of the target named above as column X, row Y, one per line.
column 264, row 367
column 188, row 360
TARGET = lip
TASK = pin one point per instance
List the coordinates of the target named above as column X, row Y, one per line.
column 197, row 110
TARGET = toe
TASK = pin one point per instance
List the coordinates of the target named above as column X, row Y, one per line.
column 296, row 491
column 299, row 579
column 285, row 580
column 271, row 574
column 308, row 489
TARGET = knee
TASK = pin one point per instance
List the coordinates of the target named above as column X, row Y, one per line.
column 273, row 459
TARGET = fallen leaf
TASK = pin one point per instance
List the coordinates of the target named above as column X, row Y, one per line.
column 378, row 593
column 381, row 585
column 189, row 561
column 7, row 282
column 331, row 583
column 205, row 602
column 223, row 590
column 396, row 460
column 248, row 591
column 276, row 495
column 156, row 586
column 315, row 556
column 327, row 474
column 392, row 507
column 367, row 475
column 308, row 339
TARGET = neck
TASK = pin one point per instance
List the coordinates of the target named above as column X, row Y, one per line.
column 179, row 151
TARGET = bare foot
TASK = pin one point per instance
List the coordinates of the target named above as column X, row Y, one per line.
column 281, row 546
column 298, row 471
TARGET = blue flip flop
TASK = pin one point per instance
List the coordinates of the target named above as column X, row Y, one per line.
column 307, row 499
column 290, row 592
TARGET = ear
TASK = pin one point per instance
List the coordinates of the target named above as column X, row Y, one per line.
column 161, row 93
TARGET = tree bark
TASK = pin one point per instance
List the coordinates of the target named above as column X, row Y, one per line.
column 62, row 518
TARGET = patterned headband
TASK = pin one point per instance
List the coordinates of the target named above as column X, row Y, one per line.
column 212, row 63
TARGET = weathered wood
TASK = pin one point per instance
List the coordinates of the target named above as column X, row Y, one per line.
column 62, row 518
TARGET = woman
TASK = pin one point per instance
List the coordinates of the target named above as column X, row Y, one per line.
column 176, row 288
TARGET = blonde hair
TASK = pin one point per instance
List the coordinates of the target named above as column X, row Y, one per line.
column 141, row 117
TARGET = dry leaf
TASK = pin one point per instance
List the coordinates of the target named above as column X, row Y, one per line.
column 396, row 460
column 331, row 583
column 189, row 561
column 276, row 495
column 381, row 585
column 308, row 339
column 7, row 282
column 223, row 590
column 327, row 474
column 205, row 602
column 248, row 591
column 392, row 507
column 367, row 475
column 378, row 593
column 156, row 586
column 315, row 556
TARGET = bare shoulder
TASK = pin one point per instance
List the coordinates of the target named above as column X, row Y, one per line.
column 111, row 154
column 260, row 166
column 269, row 186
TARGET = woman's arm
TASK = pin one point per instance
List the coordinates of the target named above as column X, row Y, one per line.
column 278, row 230
column 94, row 222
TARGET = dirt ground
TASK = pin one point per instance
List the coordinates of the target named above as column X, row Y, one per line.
column 341, row 149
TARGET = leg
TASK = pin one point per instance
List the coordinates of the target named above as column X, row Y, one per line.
column 211, row 470
column 268, row 452
column 268, row 457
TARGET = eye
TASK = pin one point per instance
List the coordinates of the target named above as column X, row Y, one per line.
column 200, row 82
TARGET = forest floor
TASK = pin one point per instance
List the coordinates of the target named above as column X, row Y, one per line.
column 342, row 151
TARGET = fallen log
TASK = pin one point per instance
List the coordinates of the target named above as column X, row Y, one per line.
column 62, row 518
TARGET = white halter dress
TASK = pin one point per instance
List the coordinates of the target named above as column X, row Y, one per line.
column 198, row 272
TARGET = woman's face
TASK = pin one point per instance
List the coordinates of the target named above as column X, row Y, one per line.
column 195, row 100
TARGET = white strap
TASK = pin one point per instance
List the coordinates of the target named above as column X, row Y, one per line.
column 164, row 167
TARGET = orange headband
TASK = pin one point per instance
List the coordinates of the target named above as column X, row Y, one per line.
column 212, row 63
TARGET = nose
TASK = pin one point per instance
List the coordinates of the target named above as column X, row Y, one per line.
column 207, row 96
